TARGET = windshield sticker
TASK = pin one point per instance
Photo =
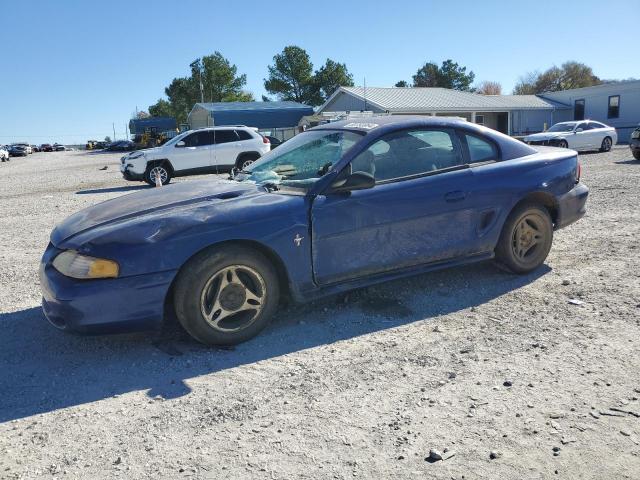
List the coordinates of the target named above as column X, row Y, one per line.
column 366, row 126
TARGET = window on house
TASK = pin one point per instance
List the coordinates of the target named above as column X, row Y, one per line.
column 578, row 109
column 480, row 119
column 614, row 106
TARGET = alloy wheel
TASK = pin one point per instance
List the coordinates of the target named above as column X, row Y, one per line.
column 158, row 172
column 527, row 236
column 233, row 298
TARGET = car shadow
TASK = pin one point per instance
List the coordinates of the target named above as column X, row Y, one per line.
column 129, row 188
column 44, row 369
column 628, row 162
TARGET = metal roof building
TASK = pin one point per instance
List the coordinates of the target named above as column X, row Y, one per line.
column 262, row 115
column 511, row 114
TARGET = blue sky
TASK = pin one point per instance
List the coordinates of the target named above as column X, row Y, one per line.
column 72, row 68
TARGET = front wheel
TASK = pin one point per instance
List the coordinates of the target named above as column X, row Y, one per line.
column 526, row 239
column 225, row 296
column 636, row 154
column 563, row 144
column 155, row 172
column 606, row 144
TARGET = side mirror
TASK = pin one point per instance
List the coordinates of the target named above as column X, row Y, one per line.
column 355, row 181
column 181, row 144
column 578, row 130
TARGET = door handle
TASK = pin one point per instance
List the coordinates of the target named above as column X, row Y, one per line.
column 455, row 196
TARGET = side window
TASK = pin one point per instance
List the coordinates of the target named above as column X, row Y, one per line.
column 244, row 135
column 597, row 125
column 406, row 153
column 225, row 136
column 584, row 126
column 480, row 150
column 199, row 139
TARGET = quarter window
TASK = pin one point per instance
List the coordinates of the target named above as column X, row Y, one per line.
column 406, row 153
column 243, row 135
column 480, row 150
column 578, row 110
column 614, row 107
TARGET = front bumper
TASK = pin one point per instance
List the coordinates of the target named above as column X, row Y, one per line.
column 102, row 306
column 129, row 175
column 572, row 206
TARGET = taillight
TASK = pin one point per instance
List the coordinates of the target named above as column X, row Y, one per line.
column 265, row 140
column 578, row 171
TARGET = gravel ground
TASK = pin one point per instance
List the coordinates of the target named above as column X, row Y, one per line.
column 471, row 361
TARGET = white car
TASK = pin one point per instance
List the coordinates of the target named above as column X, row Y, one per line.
column 207, row 150
column 577, row 135
column 4, row 154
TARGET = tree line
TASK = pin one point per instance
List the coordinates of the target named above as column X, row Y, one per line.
column 291, row 76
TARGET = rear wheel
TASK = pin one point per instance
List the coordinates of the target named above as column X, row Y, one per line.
column 225, row 296
column 246, row 159
column 606, row 144
column 157, row 171
column 636, row 154
column 526, row 239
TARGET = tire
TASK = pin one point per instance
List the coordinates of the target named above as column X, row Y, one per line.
column 606, row 144
column 157, row 168
column 563, row 144
column 246, row 159
column 529, row 221
column 215, row 290
column 636, row 155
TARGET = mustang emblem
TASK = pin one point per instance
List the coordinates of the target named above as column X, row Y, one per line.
column 298, row 239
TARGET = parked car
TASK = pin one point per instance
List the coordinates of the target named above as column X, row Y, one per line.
column 58, row 148
column 122, row 146
column 634, row 143
column 4, row 154
column 45, row 147
column 273, row 141
column 208, row 150
column 26, row 146
column 18, row 150
column 578, row 135
column 341, row 206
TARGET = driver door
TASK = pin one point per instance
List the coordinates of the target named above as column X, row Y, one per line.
column 196, row 152
column 420, row 210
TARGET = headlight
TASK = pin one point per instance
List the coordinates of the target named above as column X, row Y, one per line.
column 71, row 264
column 135, row 155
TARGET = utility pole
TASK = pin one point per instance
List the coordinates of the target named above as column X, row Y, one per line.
column 114, row 131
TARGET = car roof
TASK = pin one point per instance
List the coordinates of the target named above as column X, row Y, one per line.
column 367, row 124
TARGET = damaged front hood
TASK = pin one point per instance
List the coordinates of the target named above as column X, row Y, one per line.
column 156, row 202
column 537, row 137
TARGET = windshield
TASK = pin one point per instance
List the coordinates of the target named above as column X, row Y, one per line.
column 301, row 161
column 176, row 139
column 562, row 127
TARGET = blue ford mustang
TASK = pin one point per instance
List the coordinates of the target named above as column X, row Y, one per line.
column 338, row 207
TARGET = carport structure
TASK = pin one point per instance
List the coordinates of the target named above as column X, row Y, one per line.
column 510, row 114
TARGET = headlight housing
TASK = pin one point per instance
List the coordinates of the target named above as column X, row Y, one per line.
column 72, row 264
column 135, row 155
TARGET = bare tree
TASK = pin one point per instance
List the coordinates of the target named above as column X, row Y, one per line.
column 489, row 87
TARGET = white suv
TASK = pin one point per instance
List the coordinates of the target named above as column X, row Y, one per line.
column 207, row 150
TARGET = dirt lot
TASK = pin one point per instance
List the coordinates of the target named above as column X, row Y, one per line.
column 472, row 360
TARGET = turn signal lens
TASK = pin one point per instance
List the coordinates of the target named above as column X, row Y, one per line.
column 72, row 264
